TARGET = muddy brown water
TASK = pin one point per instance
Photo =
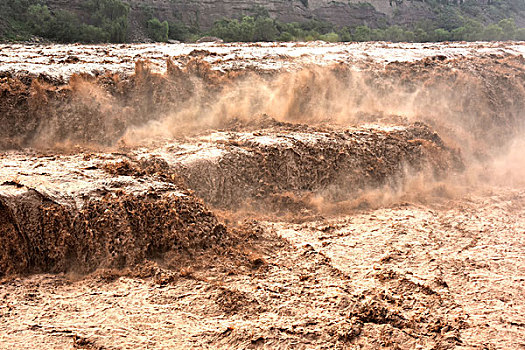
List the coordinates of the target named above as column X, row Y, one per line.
column 262, row 196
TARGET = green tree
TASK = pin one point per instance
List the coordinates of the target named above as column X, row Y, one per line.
column 293, row 28
column 64, row 27
column 321, row 27
column 222, row 29
column 179, row 31
column 474, row 30
column 111, row 16
column 362, row 33
column 265, row 29
column 246, row 29
column 39, row 19
column 233, row 30
column 377, row 34
column 158, row 30
column 345, row 35
column 459, row 34
column 508, row 26
column 449, row 18
column 330, row 37
column 441, row 34
column 285, row 36
column 520, row 34
column 91, row 34
column 493, row 32
column 104, row 10
column 420, row 35
column 409, row 36
column 394, row 33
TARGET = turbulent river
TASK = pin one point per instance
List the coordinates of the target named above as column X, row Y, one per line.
column 268, row 195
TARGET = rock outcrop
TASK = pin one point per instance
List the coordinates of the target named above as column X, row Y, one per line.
column 203, row 13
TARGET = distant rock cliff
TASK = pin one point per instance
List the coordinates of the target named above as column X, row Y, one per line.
column 203, row 13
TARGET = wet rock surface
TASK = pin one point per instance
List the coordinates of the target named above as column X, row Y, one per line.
column 285, row 167
column 81, row 212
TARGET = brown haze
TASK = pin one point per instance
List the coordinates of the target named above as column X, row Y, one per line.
column 475, row 105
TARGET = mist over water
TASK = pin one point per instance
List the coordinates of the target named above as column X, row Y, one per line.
column 476, row 105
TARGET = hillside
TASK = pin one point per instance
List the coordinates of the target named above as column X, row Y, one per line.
column 143, row 20
column 373, row 13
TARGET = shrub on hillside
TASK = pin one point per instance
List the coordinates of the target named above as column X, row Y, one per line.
column 158, row 30
column 111, row 16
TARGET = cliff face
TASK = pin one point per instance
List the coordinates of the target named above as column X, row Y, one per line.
column 203, row 13
column 343, row 13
